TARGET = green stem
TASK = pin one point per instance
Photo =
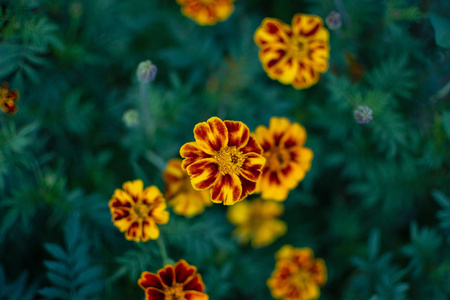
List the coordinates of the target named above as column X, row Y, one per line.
column 146, row 117
column 166, row 260
column 156, row 160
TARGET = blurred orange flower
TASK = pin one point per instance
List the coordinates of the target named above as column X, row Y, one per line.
column 257, row 221
column 297, row 275
column 207, row 12
column 294, row 55
column 179, row 282
column 8, row 99
column 137, row 211
column 223, row 158
column 287, row 161
column 179, row 192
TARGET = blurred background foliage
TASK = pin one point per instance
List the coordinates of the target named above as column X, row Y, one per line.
column 375, row 205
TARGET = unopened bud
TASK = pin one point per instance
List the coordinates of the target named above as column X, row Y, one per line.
column 333, row 20
column 362, row 114
column 146, row 71
column 131, row 118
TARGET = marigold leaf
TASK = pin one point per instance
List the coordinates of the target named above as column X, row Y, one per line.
column 442, row 30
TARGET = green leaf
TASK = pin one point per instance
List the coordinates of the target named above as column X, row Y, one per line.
column 442, row 30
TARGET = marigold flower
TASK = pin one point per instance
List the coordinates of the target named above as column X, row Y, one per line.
column 294, row 55
column 179, row 192
column 179, row 282
column 223, row 158
column 257, row 221
column 287, row 161
column 207, row 12
column 137, row 211
column 8, row 99
column 297, row 275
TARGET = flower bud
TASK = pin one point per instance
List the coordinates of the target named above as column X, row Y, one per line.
column 333, row 20
column 362, row 114
column 146, row 71
column 131, row 118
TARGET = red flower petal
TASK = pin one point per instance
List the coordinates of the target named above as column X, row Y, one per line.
column 203, row 173
column 238, row 134
column 167, row 275
column 191, row 152
column 183, row 271
column 227, row 189
column 212, row 135
column 272, row 31
column 248, row 187
column 148, row 280
column 154, row 294
column 251, row 168
column 195, row 284
column 252, row 146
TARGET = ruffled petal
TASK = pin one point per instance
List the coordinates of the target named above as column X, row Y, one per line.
column 183, row 271
column 263, row 137
column 152, row 195
column 290, row 68
column 133, row 232
column 319, row 53
column 154, row 294
column 191, row 152
column 148, row 280
column 203, row 173
column 238, row 134
column 248, row 187
column 302, row 156
column 252, row 166
column 149, row 230
column 271, row 187
column 277, row 128
column 294, row 135
column 121, row 218
column 121, row 199
column 211, row 135
column 159, row 214
column 272, row 31
column 273, row 59
column 167, row 275
column 227, row 189
column 306, row 25
column 134, row 189
column 306, row 76
column 195, row 284
column 252, row 146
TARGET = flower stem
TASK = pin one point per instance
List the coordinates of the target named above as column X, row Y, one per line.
column 166, row 260
column 146, row 117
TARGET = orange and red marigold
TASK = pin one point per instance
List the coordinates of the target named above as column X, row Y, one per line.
column 223, row 158
column 137, row 211
column 8, row 99
column 294, row 55
column 179, row 282
column 287, row 161
column 207, row 12
column 179, row 192
column 297, row 275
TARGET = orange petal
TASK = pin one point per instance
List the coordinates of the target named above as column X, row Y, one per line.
column 252, row 166
column 212, row 135
column 154, row 294
column 167, row 275
column 227, row 189
column 248, row 187
column 148, row 280
column 121, row 199
column 252, row 146
column 184, row 271
column 195, row 284
column 149, row 230
column 191, row 152
column 272, row 31
column 238, row 134
column 203, row 173
column 194, row 295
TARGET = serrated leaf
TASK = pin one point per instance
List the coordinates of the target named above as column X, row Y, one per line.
column 441, row 29
column 57, row 267
column 56, row 251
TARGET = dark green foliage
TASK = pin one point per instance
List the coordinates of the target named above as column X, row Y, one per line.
column 375, row 204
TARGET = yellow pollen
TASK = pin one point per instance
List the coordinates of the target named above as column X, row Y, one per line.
column 298, row 47
column 230, row 160
column 302, row 279
column 174, row 292
column 140, row 210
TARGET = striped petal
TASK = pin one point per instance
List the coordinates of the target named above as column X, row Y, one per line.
column 195, row 284
column 294, row 135
column 149, row 230
column 306, row 25
column 167, row 275
column 203, row 173
column 134, row 189
column 302, row 156
column 272, row 188
column 184, row 271
column 227, row 189
column 263, row 137
column 272, row 31
column 148, row 280
column 277, row 128
column 211, row 135
column 248, row 187
column 252, row 147
column 133, row 232
column 273, row 59
column 238, row 134
column 191, row 152
column 252, row 166
column 306, row 76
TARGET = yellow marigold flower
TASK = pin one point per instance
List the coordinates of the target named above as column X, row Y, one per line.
column 207, row 12
column 257, row 221
column 8, row 99
column 179, row 192
column 179, row 282
column 287, row 161
column 137, row 211
column 297, row 275
column 294, row 55
column 223, row 158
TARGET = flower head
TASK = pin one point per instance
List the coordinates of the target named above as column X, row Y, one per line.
column 257, row 221
column 333, row 20
column 297, row 275
column 131, row 118
column 179, row 192
column 137, row 211
column 287, row 161
column 363, row 114
column 8, row 99
column 146, row 71
column 294, row 55
column 223, row 158
column 179, row 282
column 207, row 12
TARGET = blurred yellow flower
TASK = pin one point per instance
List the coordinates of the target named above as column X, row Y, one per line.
column 294, row 55
column 178, row 282
column 207, row 12
column 287, row 161
column 297, row 275
column 257, row 221
column 8, row 99
column 136, row 211
column 180, row 194
column 223, row 158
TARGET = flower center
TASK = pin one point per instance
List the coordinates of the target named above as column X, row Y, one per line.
column 278, row 158
column 140, row 210
column 174, row 292
column 302, row 279
column 230, row 160
column 298, row 47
